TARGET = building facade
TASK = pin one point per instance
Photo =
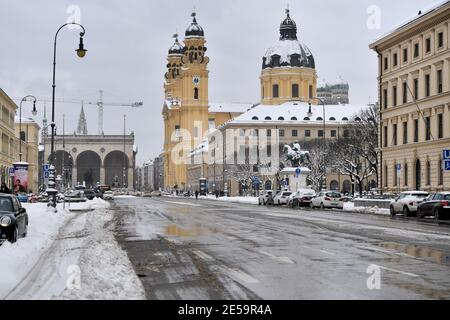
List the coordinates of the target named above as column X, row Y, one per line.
column 9, row 142
column 187, row 113
column 336, row 92
column 414, row 91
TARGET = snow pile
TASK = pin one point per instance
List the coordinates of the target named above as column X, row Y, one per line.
column 124, row 196
column 20, row 257
column 350, row 207
column 249, row 200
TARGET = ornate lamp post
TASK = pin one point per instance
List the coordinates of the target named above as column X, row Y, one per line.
column 81, row 52
column 34, row 112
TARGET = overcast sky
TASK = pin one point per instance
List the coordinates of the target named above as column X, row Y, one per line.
column 127, row 44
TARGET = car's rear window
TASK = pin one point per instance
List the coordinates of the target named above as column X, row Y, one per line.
column 5, row 204
column 447, row 197
column 333, row 195
column 419, row 195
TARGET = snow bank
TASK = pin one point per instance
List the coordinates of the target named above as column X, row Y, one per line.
column 249, row 200
column 350, row 207
column 19, row 258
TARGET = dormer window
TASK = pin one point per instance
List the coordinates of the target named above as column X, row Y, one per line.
column 280, row 119
column 255, row 118
column 319, row 119
column 276, row 60
column 306, row 119
column 295, row 60
column 294, row 119
column 268, row 118
column 332, row 119
column 345, row 119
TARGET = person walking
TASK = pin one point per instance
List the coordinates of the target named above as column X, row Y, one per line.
column 4, row 188
column 196, row 194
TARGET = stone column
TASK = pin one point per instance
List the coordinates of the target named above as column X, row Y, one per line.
column 130, row 184
column 102, row 174
column 74, row 175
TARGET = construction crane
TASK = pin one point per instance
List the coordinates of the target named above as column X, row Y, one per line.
column 100, row 104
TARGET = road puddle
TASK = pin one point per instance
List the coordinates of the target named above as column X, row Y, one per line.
column 189, row 232
column 418, row 251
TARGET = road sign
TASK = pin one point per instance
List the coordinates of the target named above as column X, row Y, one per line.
column 446, row 154
column 46, row 174
column 399, row 167
column 11, row 172
column 297, row 172
column 447, row 165
column 46, row 167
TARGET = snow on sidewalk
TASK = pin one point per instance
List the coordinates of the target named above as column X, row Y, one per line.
column 350, row 207
column 38, row 266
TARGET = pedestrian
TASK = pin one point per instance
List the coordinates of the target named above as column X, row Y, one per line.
column 196, row 194
column 4, row 188
column 217, row 194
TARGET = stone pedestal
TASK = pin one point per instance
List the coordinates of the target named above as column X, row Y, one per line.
column 296, row 180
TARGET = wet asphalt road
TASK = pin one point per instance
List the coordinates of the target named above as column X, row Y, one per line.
column 188, row 249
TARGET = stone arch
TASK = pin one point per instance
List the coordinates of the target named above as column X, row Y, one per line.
column 268, row 185
column 334, row 185
column 347, row 186
column 116, row 164
column 63, row 158
column 88, row 168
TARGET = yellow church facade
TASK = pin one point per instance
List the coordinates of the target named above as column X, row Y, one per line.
column 288, row 74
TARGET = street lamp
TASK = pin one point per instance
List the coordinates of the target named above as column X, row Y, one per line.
column 81, row 52
column 34, row 112
column 324, row 138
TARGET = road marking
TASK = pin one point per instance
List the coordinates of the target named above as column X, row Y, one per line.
column 183, row 203
column 203, row 255
column 239, row 275
column 280, row 259
column 401, row 272
column 320, row 250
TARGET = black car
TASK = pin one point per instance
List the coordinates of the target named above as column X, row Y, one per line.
column 437, row 205
column 13, row 219
column 89, row 194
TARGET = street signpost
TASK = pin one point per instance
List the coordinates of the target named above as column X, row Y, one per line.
column 11, row 172
column 399, row 170
column 298, row 171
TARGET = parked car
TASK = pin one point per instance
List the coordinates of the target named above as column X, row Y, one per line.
column 187, row 194
column 282, row 198
column 407, row 202
column 108, row 195
column 147, row 195
column 263, row 196
column 156, row 194
column 22, row 197
column 328, row 199
column 437, row 205
column 13, row 219
column 75, row 196
column 301, row 198
column 89, row 194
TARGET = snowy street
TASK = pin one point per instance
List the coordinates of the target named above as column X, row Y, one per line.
column 68, row 255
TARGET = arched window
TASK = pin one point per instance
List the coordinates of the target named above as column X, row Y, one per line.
column 255, row 118
column 294, row 118
column 319, row 119
column 306, row 119
column 268, row 118
column 332, row 119
column 196, row 93
column 345, row 119
column 280, row 118
column 357, row 119
column 334, row 185
column 22, row 135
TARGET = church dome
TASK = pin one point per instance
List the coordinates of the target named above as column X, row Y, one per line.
column 288, row 51
column 194, row 30
column 176, row 48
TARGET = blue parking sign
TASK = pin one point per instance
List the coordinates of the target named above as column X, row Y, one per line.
column 446, row 154
column 46, row 167
column 447, row 165
column 46, row 174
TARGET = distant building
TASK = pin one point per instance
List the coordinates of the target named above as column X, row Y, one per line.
column 414, row 94
column 158, row 173
column 334, row 93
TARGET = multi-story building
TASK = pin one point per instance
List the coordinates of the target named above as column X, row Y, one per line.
column 158, row 173
column 9, row 142
column 414, row 94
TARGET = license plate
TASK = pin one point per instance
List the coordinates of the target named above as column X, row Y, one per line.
column 334, row 203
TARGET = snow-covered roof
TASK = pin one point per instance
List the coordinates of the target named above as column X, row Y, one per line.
column 24, row 120
column 297, row 112
column 230, row 107
column 423, row 13
column 285, row 49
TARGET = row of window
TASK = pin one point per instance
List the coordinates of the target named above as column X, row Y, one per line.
column 405, row 51
column 417, row 174
column 404, row 127
column 295, row 133
column 295, row 91
column 268, row 118
column 7, row 117
column 414, row 91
